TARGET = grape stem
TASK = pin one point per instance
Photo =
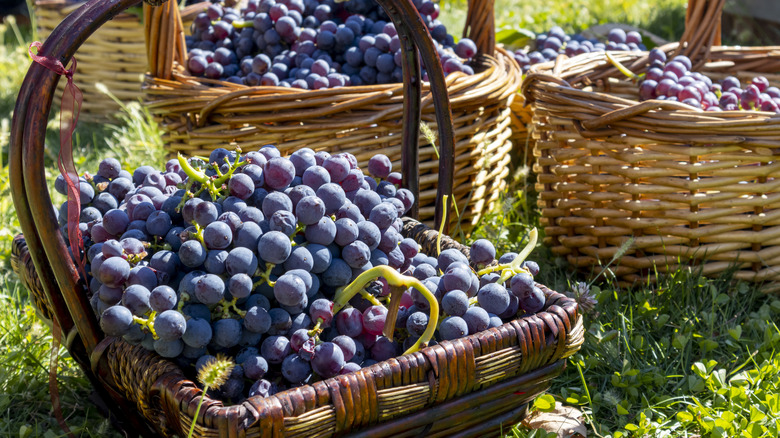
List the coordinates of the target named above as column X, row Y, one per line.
column 516, row 265
column 370, row 298
column 622, row 68
column 227, row 305
column 315, row 332
column 343, row 295
column 214, row 185
column 265, row 276
column 148, row 323
column 183, row 299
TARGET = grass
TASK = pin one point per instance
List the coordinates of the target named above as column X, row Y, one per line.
column 686, row 357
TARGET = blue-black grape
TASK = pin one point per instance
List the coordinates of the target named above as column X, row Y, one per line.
column 162, row 298
column 170, row 325
column 116, row 321
column 198, row 332
column 227, row 332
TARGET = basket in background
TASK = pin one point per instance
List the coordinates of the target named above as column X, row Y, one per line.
column 114, row 56
column 682, row 186
column 199, row 115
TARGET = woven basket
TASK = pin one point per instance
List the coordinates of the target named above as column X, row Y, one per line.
column 198, row 116
column 686, row 187
column 115, row 56
column 475, row 386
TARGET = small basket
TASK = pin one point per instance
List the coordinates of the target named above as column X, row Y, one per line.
column 115, row 56
column 474, row 386
column 684, row 186
column 199, row 115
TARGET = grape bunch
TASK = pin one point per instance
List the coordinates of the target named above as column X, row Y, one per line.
column 673, row 80
column 311, row 44
column 549, row 45
column 286, row 264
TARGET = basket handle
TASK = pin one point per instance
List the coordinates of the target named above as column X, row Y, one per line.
column 481, row 25
column 702, row 30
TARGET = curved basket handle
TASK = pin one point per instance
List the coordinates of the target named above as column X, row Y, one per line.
column 702, row 30
column 481, row 26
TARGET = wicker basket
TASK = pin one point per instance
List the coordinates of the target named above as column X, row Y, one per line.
column 115, row 56
column 687, row 187
column 473, row 386
column 198, row 116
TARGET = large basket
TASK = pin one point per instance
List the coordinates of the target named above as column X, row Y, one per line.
column 475, row 386
column 114, row 56
column 685, row 187
column 198, row 116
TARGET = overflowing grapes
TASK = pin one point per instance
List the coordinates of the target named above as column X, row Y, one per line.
column 548, row 46
column 673, row 80
column 311, row 44
column 294, row 266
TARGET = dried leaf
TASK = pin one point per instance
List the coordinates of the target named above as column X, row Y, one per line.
column 565, row 421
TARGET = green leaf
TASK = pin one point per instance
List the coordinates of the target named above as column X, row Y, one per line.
column 25, row 431
column 515, row 36
column 621, row 410
column 736, row 332
column 684, row 417
column 753, row 430
column 680, row 341
column 544, row 403
column 707, row 345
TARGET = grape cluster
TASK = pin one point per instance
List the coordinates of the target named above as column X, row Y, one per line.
column 311, row 44
column 549, row 45
column 672, row 79
column 245, row 255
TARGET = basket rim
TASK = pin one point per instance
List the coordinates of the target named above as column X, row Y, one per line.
column 177, row 382
column 500, row 80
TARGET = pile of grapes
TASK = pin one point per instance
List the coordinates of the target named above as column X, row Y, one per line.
column 549, row 45
column 311, row 44
column 673, row 80
column 291, row 265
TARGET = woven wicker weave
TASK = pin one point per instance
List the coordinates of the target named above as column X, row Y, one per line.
column 115, row 56
column 689, row 187
column 198, row 116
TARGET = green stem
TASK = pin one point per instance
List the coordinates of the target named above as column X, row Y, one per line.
column 316, row 330
column 622, row 68
column 515, row 265
column 197, row 411
column 393, row 278
column 441, row 227
column 193, row 173
column 370, row 298
column 183, row 299
column 148, row 323
column 227, row 305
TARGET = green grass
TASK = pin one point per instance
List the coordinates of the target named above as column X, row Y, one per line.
column 686, row 357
